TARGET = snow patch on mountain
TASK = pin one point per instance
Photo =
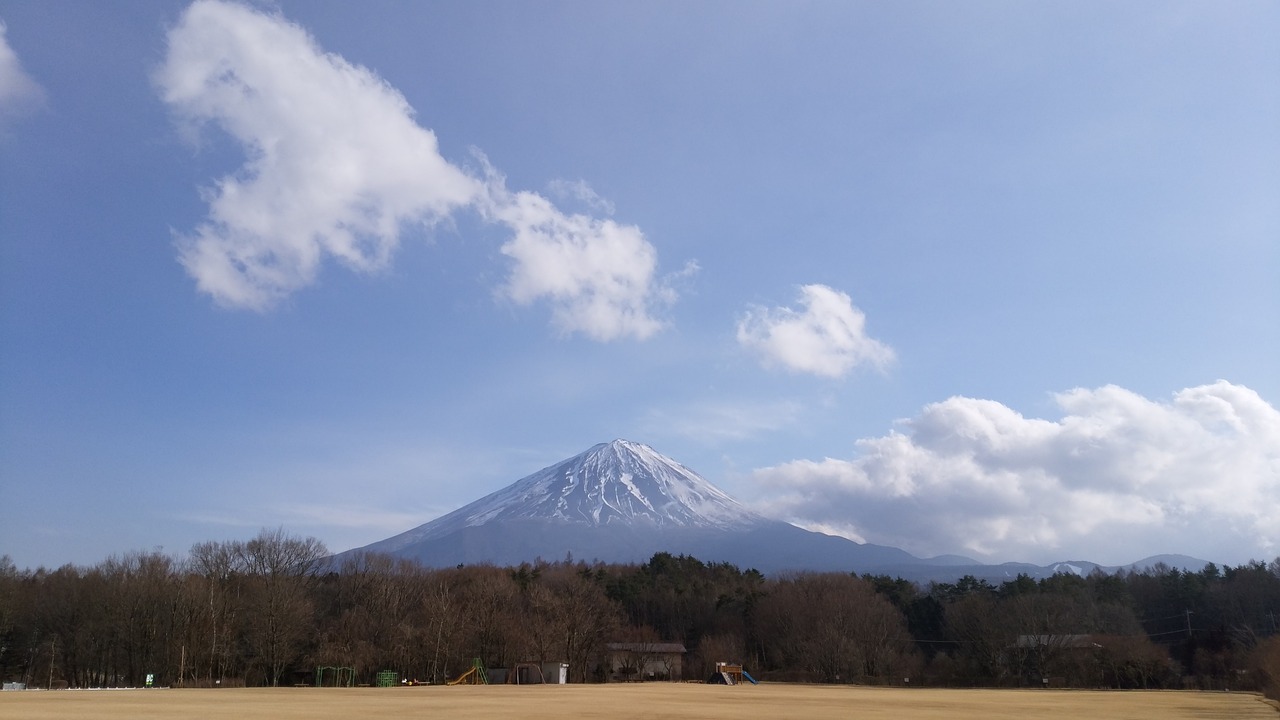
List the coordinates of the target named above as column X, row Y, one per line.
column 620, row 483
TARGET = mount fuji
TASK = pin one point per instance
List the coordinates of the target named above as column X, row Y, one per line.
column 622, row 502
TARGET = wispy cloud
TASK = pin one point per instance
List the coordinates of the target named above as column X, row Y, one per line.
column 258, row 494
column 341, row 527
column 582, row 192
column 715, row 422
column 826, row 337
column 337, row 167
column 1118, row 477
column 382, row 520
column 19, row 93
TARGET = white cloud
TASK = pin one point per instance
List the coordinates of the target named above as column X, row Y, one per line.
column 828, row 337
column 598, row 275
column 336, row 163
column 1117, row 478
column 337, row 167
column 18, row 92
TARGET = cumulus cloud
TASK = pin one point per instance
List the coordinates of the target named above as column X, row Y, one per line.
column 827, row 337
column 18, row 92
column 598, row 275
column 336, row 162
column 1117, row 478
column 337, row 167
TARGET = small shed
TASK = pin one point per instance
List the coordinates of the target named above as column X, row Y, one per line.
column 555, row 673
column 641, row 661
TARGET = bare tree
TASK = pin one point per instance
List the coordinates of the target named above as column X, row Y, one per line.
column 281, row 569
column 542, row 626
column 9, row 579
column 442, row 620
column 587, row 618
column 722, row 647
column 982, row 635
column 147, row 613
column 489, row 606
column 1264, row 660
column 834, row 626
column 1134, row 662
column 213, row 650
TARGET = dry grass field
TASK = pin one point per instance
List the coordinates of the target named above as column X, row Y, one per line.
column 651, row 701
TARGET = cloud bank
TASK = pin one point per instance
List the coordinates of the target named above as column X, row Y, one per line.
column 1117, row 478
column 828, row 337
column 18, row 92
column 337, row 167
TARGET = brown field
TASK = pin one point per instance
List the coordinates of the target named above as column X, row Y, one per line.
column 654, row 700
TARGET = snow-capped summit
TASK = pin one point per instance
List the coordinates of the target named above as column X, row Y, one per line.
column 619, row 482
column 616, row 484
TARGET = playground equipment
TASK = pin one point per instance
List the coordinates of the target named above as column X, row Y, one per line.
column 526, row 674
column 340, row 676
column 730, row 674
column 476, row 675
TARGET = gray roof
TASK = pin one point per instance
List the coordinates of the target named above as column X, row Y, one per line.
column 1056, row 641
column 642, row 647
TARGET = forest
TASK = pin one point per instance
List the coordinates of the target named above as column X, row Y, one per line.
column 273, row 609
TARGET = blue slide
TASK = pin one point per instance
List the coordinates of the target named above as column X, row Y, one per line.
column 747, row 675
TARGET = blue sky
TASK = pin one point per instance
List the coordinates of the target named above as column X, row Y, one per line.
column 999, row 279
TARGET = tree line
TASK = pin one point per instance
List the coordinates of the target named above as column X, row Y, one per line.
column 273, row 609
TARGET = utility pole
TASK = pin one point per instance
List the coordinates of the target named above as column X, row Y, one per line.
column 1188, row 623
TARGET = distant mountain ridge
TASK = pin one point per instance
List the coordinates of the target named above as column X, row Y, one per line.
column 622, row 501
